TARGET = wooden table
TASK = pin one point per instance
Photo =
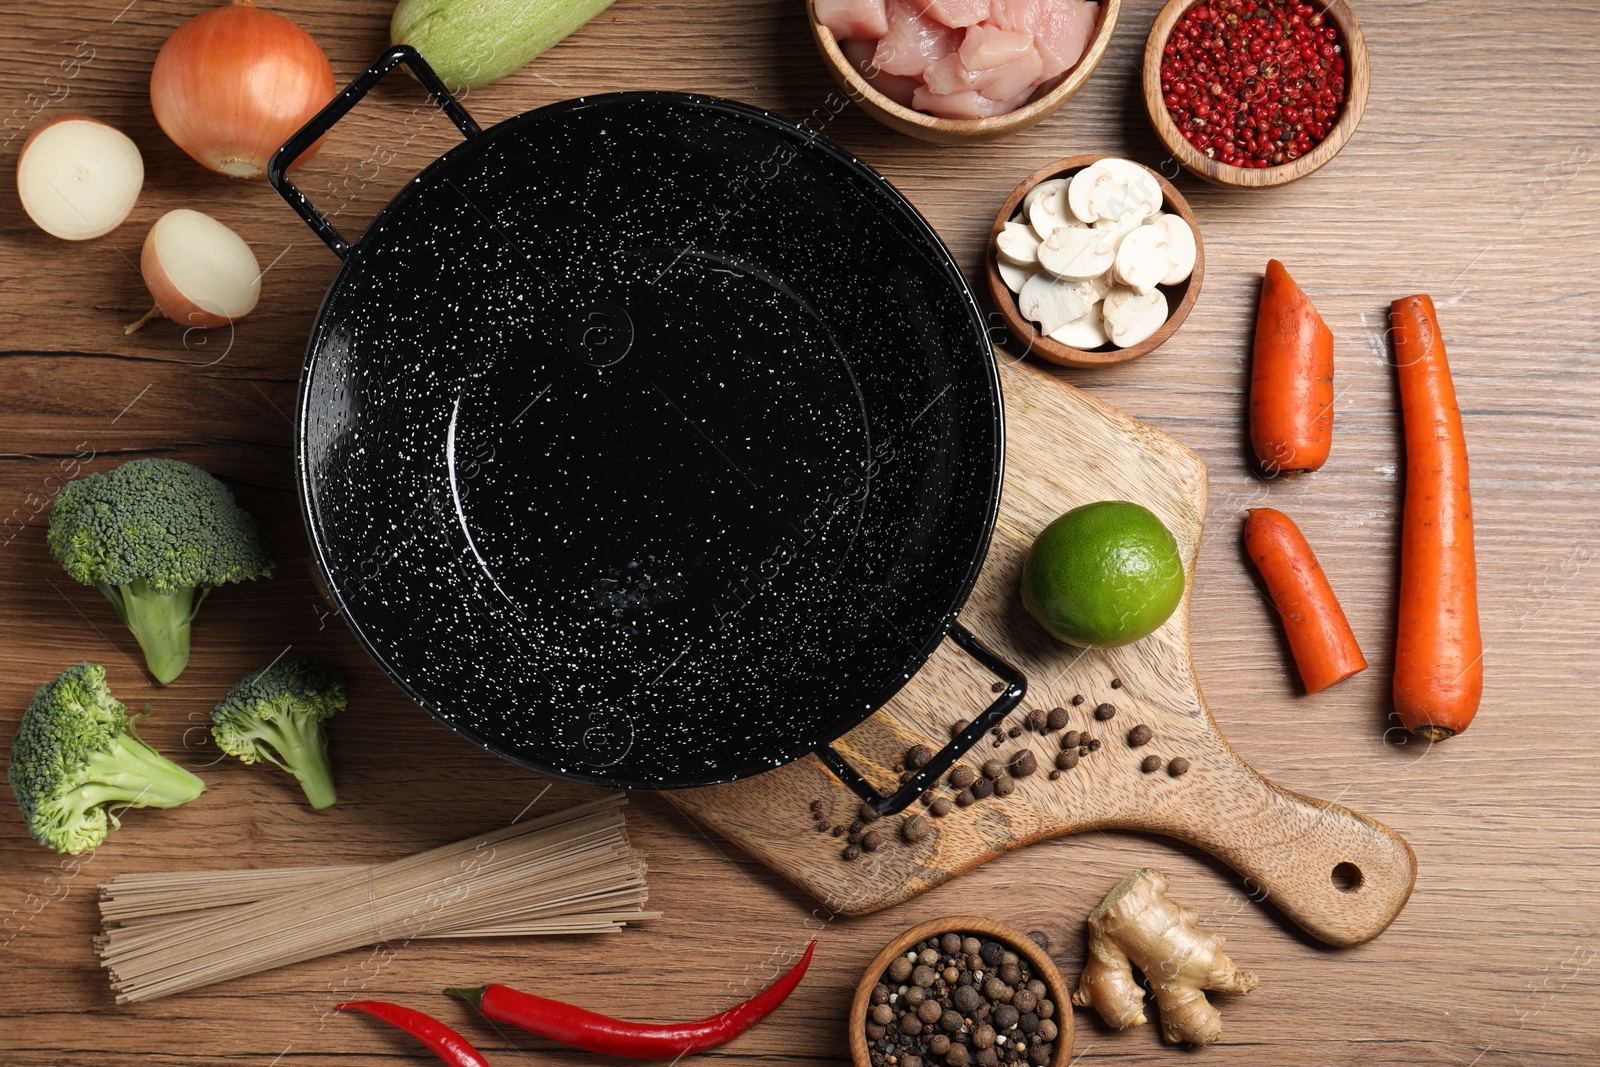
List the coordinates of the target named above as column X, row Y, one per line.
column 1473, row 177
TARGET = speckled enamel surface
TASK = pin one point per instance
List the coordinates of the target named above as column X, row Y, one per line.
column 649, row 440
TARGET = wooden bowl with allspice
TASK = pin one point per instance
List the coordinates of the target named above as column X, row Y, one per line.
column 961, row 992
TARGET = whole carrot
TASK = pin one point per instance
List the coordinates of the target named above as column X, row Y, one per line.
column 1438, row 661
column 1291, row 379
column 1325, row 651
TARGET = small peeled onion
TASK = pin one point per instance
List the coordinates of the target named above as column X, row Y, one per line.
column 234, row 83
column 78, row 178
column 200, row 272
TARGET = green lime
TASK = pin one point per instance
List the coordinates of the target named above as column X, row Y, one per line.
column 1103, row 575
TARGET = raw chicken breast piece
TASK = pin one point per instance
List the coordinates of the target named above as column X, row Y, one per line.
column 986, row 46
column 1062, row 30
column 958, row 13
column 968, row 105
column 947, row 77
column 913, row 39
column 1010, row 78
column 852, row 19
column 896, row 87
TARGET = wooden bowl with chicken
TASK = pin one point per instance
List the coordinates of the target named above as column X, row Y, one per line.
column 961, row 71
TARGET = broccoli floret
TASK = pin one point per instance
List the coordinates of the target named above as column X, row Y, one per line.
column 77, row 756
column 155, row 536
column 276, row 714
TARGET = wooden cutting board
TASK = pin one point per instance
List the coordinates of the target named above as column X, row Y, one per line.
column 1341, row 876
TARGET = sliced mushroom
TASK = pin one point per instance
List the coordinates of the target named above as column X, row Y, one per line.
column 1093, row 192
column 1119, row 228
column 1018, row 244
column 1087, row 333
column 1144, row 258
column 1053, row 187
column 1143, row 191
column 1078, row 253
column 1052, row 302
column 1014, row 275
column 1049, row 212
column 1180, row 248
column 1132, row 317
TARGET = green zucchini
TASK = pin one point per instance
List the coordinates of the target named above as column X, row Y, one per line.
column 470, row 43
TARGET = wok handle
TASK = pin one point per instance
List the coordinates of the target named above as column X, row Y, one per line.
column 945, row 758
column 338, row 107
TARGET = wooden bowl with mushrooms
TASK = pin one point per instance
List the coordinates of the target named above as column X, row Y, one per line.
column 1348, row 44
column 1031, row 1015
column 952, row 131
column 1077, row 346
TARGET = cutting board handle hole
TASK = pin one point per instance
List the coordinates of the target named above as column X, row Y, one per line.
column 1346, row 877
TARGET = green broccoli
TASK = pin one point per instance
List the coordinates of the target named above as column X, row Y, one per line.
column 276, row 714
column 77, row 755
column 155, row 536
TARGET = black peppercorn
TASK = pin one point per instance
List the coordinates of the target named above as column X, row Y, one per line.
column 990, row 952
column 1005, row 1017
column 1077, row 699
column 852, row 851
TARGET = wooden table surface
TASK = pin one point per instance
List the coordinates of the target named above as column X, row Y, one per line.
column 1472, row 177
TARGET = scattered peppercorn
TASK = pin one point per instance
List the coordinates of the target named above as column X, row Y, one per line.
column 1055, row 775
column 915, row 828
column 1067, row 760
column 958, row 726
column 1005, row 785
column 1071, row 739
column 1105, row 711
column 1077, row 699
column 993, row 768
column 852, row 851
column 1094, row 744
column 1151, row 764
column 1139, row 735
column 982, row 789
column 868, row 813
column 917, row 757
column 1116, row 683
column 1056, row 719
column 998, row 687
column 966, row 798
column 939, row 808
column 1024, row 763
column 1015, row 731
column 1036, row 720
column 962, row 776
column 1178, row 766
column 871, row 841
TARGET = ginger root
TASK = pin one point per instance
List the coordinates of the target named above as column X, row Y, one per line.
column 1138, row 924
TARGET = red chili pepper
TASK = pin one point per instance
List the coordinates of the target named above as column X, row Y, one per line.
column 575, row 1026
column 448, row 1045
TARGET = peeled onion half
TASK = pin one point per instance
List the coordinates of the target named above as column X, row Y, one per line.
column 78, row 178
column 200, row 272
